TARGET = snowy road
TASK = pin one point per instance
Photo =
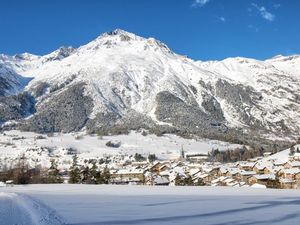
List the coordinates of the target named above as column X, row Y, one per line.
column 130, row 205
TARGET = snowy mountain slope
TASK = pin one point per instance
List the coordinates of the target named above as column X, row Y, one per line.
column 10, row 81
column 275, row 85
column 13, row 77
column 123, row 81
column 288, row 64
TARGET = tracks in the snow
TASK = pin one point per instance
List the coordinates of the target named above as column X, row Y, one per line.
column 16, row 209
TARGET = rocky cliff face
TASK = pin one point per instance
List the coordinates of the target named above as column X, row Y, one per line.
column 121, row 81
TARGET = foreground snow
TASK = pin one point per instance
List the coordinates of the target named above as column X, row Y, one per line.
column 97, row 205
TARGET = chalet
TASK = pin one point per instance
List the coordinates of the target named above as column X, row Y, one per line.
column 292, row 164
column 247, row 166
column 233, row 184
column 261, row 179
column 227, row 181
column 194, row 172
column 288, row 183
column 139, row 164
column 244, row 175
column 218, row 181
column 278, row 163
column 222, row 171
column 214, row 171
column 292, row 174
column 196, row 157
column 161, row 181
column 128, row 176
column 163, row 168
column 205, row 177
column 149, row 178
column 155, row 168
column 232, row 172
column 262, row 169
column 173, row 175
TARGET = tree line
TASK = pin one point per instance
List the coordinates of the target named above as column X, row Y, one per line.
column 23, row 173
column 234, row 155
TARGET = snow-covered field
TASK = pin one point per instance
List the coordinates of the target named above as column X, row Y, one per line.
column 104, row 205
column 14, row 143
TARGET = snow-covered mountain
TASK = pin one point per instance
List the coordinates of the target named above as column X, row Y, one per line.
column 121, row 81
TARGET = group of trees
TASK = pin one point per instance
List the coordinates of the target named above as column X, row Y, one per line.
column 293, row 150
column 242, row 154
column 238, row 154
column 187, row 181
column 139, row 158
column 22, row 173
column 87, row 175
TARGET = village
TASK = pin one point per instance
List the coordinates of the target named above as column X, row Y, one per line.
column 185, row 168
column 263, row 172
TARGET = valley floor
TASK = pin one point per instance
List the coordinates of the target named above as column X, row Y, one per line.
column 107, row 204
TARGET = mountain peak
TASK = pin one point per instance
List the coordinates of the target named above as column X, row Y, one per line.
column 60, row 53
column 119, row 37
column 26, row 56
column 119, row 33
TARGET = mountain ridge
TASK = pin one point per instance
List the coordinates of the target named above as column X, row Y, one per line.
column 124, row 81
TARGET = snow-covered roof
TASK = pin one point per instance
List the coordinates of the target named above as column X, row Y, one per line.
column 265, row 176
column 286, row 181
column 291, row 171
column 161, row 180
column 246, row 164
column 295, row 163
column 247, row 173
column 233, row 170
column 130, row 171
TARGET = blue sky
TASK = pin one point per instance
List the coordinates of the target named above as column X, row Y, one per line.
column 201, row 29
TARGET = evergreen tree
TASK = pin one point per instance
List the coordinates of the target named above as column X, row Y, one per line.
column 151, row 158
column 105, row 176
column 200, row 182
column 74, row 171
column 94, row 173
column 98, row 178
column 188, row 181
column 53, row 173
column 86, row 175
column 292, row 151
column 138, row 157
column 22, row 172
